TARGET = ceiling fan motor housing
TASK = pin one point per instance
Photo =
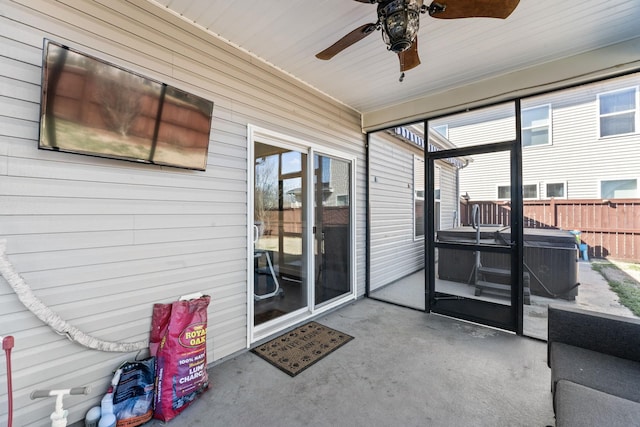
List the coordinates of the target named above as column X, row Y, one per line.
column 400, row 21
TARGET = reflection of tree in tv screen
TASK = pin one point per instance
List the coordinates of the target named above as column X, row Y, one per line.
column 119, row 100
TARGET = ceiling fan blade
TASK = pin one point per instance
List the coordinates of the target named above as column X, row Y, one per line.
column 409, row 58
column 351, row 38
column 472, row 8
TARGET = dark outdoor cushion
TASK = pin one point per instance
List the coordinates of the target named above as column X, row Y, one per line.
column 606, row 333
column 581, row 406
column 609, row 374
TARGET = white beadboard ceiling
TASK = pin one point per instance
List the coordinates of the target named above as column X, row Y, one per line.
column 288, row 34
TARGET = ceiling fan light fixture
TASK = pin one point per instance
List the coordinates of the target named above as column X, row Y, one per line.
column 400, row 21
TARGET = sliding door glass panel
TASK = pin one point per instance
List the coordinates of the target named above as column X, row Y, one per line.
column 332, row 245
column 280, row 282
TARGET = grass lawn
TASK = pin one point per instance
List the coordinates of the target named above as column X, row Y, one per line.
column 624, row 280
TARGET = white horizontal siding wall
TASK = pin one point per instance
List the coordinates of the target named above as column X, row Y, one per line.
column 484, row 172
column 481, row 178
column 394, row 251
column 485, row 126
column 577, row 155
column 100, row 240
column 449, row 197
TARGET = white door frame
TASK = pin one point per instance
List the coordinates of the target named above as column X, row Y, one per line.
column 258, row 134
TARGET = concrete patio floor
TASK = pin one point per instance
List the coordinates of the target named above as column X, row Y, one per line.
column 594, row 294
column 404, row 368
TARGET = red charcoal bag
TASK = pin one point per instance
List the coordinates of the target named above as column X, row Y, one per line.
column 179, row 343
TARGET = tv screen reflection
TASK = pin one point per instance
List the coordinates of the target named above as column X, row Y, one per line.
column 92, row 107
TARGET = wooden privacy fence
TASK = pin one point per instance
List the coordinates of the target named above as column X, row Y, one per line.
column 611, row 228
column 291, row 219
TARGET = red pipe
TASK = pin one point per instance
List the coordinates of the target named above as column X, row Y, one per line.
column 7, row 345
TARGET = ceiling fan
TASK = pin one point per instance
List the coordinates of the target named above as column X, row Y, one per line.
column 399, row 21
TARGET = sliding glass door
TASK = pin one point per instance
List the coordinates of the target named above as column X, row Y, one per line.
column 332, row 231
column 302, row 233
column 280, row 230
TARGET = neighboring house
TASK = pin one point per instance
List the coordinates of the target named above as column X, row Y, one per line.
column 335, row 189
column 579, row 143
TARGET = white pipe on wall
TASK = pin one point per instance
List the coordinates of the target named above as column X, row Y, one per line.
column 48, row 316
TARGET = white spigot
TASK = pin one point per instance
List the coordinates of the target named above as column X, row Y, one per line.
column 59, row 415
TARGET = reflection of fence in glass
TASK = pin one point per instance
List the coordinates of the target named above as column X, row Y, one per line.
column 92, row 107
column 611, row 228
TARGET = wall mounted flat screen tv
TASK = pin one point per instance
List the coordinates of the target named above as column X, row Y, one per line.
column 92, row 107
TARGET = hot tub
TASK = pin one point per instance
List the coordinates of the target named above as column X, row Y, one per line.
column 550, row 257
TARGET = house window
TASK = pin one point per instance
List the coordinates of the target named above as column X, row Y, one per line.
column 504, row 192
column 556, row 189
column 529, row 191
column 418, row 197
column 619, row 189
column 618, row 112
column 342, row 200
column 536, row 126
column 442, row 130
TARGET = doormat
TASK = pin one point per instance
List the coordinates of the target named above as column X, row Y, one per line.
column 296, row 350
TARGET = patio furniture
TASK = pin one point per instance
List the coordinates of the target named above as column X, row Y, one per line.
column 595, row 367
column 263, row 268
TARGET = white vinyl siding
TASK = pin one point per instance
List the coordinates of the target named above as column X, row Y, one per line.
column 394, row 251
column 99, row 240
column 577, row 157
column 484, row 172
column 464, row 130
column 449, row 197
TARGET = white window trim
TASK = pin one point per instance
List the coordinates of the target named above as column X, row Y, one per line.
column 623, row 178
column 549, row 126
column 637, row 112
